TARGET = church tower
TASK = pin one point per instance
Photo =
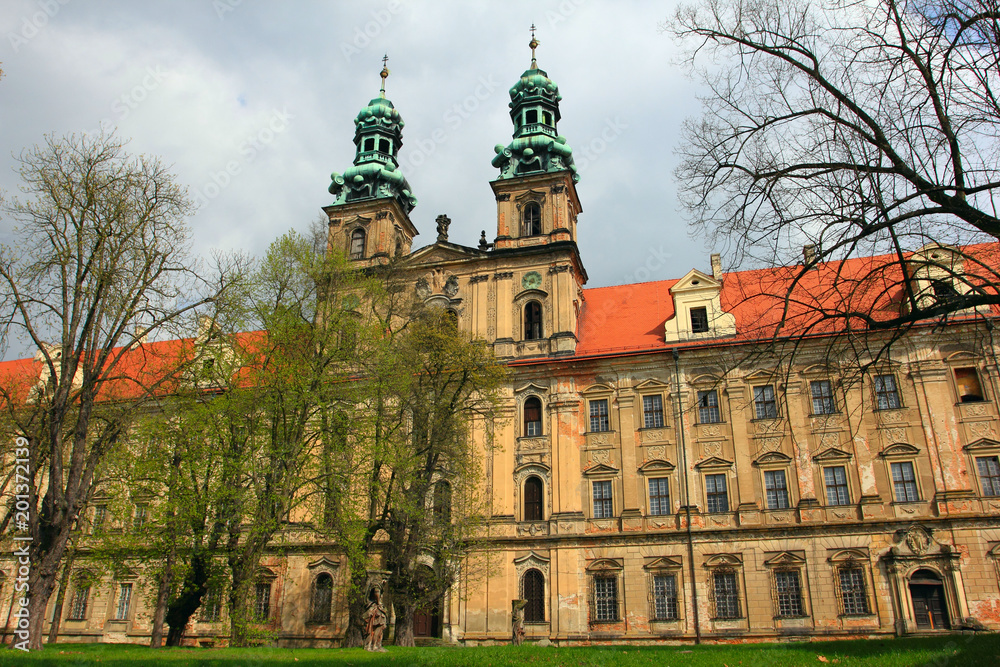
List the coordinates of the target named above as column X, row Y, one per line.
column 369, row 219
column 537, row 203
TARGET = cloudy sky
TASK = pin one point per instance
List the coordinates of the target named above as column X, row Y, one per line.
column 252, row 103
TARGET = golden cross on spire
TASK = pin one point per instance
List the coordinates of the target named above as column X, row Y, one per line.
column 533, row 44
column 384, row 73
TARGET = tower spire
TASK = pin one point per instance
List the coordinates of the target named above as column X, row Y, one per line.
column 533, row 44
column 384, row 73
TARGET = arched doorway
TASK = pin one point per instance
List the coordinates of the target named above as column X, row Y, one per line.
column 427, row 619
column 930, row 608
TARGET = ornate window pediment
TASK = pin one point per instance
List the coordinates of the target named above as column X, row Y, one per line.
column 598, row 389
column 983, row 444
column 772, row 458
column 724, row 560
column 832, row 454
column 785, row 559
column 651, row 384
column 663, row 563
column 696, row 281
column 899, row 449
column 532, row 559
column 324, row 563
column 818, row 371
column 713, row 462
column 605, row 565
column 844, row 555
column 656, row 465
column 600, row 469
column 531, row 387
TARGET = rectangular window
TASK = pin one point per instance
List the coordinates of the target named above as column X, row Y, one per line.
column 659, row 496
column 822, row 397
column 652, row 411
column 989, row 474
column 886, row 394
column 532, row 418
column 765, row 407
column 837, row 492
column 788, row 591
column 124, row 600
column 699, row 320
column 708, row 407
column 100, row 516
column 853, row 592
column 211, row 606
column 599, row 416
column 605, row 599
column 715, row 493
column 904, row 482
column 777, row 489
column 727, row 595
column 78, row 609
column 969, row 389
column 139, row 520
column 262, row 603
column 665, row 597
column 603, row 503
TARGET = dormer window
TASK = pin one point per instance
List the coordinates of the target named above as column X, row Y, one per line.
column 357, row 244
column 699, row 320
column 531, row 219
column 531, row 116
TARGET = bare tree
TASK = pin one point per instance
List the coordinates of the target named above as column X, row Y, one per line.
column 100, row 262
column 853, row 129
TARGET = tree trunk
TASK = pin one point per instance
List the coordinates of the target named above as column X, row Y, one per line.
column 180, row 611
column 41, row 575
column 60, row 599
column 240, row 614
column 162, row 598
column 356, row 603
column 404, row 624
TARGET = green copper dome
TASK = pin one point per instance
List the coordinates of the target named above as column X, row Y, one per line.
column 378, row 136
column 537, row 147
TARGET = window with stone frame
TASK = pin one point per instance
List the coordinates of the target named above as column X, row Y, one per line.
column 787, row 592
column 605, row 599
column 599, row 419
column 726, row 603
column 531, row 219
column 532, row 321
column 765, row 403
column 822, row 397
column 970, row 390
column 603, row 499
column 124, row 601
column 211, row 605
column 79, row 601
column 533, row 591
column 659, row 496
column 262, row 601
column 904, row 482
column 533, row 499
column 835, row 481
column 886, row 392
column 988, row 468
column 664, row 596
column 776, row 489
column 532, row 417
column 321, row 601
column 716, row 493
column 708, row 407
column 652, row 411
column 851, row 584
column 699, row 319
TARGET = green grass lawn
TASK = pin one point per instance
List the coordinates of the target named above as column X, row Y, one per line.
column 936, row 651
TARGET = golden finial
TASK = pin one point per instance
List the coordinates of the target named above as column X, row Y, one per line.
column 384, row 73
column 533, row 44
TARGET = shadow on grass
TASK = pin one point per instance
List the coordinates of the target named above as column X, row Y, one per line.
column 938, row 651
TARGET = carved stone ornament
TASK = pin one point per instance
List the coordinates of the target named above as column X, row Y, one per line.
column 422, row 288
column 451, row 286
column 982, row 429
column 601, row 456
column 656, row 452
column 975, row 409
column 712, row 448
column 531, row 280
column 711, row 431
column 917, row 540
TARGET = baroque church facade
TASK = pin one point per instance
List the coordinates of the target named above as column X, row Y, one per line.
column 657, row 479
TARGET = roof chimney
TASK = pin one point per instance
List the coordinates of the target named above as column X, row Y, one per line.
column 809, row 255
column 716, row 266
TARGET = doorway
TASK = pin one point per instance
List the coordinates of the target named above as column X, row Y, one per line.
column 427, row 622
column 930, row 610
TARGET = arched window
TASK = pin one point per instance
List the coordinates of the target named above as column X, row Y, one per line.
column 358, row 244
column 533, row 321
column 532, row 499
column 322, row 596
column 533, row 584
column 442, row 501
column 532, row 417
column 531, row 219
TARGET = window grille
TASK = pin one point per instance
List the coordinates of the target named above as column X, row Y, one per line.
column 211, row 606
column 659, row 496
column 652, row 411
column 262, row 603
column 715, row 493
column 533, row 591
column 322, row 598
column 853, row 590
column 726, row 594
column 603, row 501
column 708, row 407
column 665, row 597
column 699, row 320
column 788, row 593
column 78, row 609
column 605, row 599
column 124, row 600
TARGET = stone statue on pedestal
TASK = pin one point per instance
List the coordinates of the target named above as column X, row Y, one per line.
column 517, row 621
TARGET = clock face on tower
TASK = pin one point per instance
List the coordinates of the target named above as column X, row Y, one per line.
column 531, row 280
